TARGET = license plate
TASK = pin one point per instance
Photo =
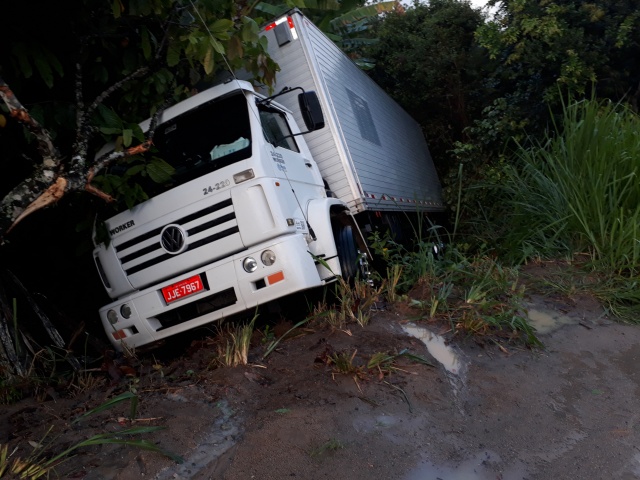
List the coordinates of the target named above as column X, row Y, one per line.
column 182, row 289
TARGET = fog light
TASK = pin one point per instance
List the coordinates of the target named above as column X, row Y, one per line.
column 125, row 311
column 249, row 264
column 112, row 316
column 268, row 258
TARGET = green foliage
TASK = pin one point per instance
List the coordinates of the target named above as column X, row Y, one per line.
column 125, row 184
column 576, row 195
column 546, row 49
column 428, row 61
column 476, row 294
column 578, row 192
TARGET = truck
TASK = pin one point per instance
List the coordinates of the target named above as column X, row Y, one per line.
column 257, row 208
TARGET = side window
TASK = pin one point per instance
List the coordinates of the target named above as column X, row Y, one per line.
column 276, row 129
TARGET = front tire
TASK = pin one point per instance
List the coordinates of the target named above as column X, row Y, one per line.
column 348, row 254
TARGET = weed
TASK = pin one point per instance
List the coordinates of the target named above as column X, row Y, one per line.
column 274, row 343
column 330, row 445
column 237, row 338
column 394, row 274
column 343, row 363
column 42, row 460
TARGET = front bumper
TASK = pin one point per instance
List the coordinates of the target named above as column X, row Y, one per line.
column 229, row 290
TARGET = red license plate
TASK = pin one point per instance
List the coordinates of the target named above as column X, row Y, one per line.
column 182, row 289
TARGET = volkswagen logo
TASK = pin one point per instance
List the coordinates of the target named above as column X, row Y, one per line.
column 172, row 239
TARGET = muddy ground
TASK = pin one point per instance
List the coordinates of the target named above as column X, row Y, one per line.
column 568, row 411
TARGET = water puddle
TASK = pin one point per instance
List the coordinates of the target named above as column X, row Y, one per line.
column 546, row 320
column 438, row 349
column 222, row 436
column 483, row 466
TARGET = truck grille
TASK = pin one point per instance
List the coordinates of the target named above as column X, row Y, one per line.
column 145, row 253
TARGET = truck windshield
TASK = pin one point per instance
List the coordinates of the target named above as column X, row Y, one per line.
column 205, row 139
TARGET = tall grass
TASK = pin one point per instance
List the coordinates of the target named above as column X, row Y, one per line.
column 579, row 191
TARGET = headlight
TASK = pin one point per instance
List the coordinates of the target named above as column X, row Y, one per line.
column 125, row 310
column 268, row 258
column 249, row 264
column 112, row 316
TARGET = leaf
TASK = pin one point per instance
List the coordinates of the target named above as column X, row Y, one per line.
column 274, row 10
column 221, row 25
column 357, row 14
column 106, row 405
column 208, row 63
column 19, row 51
column 137, row 132
column 173, row 55
column 250, row 30
column 127, row 136
column 234, row 48
column 217, row 46
column 135, row 170
column 160, row 171
column 110, row 118
column 116, row 8
column 110, row 130
column 44, row 69
column 146, row 43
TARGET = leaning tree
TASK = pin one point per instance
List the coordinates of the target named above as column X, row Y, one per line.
column 75, row 75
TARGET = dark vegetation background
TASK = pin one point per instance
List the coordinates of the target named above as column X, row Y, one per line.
column 481, row 87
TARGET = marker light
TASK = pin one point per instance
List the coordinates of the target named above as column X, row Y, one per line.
column 244, row 176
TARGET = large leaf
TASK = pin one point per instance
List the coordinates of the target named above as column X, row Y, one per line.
column 173, row 55
column 368, row 11
column 146, row 43
column 160, row 171
column 275, row 10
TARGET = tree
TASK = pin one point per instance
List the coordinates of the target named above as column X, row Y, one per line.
column 427, row 59
column 127, row 59
column 549, row 49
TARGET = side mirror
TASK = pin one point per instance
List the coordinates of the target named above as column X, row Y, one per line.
column 311, row 110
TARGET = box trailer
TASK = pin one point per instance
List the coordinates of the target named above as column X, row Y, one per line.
column 372, row 154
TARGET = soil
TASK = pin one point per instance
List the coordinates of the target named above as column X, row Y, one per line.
column 567, row 411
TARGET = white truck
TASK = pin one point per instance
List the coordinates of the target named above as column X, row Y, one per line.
column 254, row 212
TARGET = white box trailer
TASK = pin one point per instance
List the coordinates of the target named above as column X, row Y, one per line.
column 372, row 154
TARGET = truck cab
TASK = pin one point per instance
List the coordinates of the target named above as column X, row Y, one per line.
column 244, row 220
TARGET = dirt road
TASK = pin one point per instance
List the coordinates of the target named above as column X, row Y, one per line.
column 568, row 411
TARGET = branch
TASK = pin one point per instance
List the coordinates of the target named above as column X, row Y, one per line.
column 50, row 156
column 50, row 196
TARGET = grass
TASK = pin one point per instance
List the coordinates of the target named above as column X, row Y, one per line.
column 331, row 445
column 352, row 304
column 234, row 347
column 474, row 293
column 44, row 459
column 577, row 196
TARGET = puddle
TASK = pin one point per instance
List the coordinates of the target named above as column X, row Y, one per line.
column 438, row 349
column 483, row 466
column 223, row 435
column 546, row 321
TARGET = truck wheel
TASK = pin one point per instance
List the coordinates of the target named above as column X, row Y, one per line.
column 347, row 251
